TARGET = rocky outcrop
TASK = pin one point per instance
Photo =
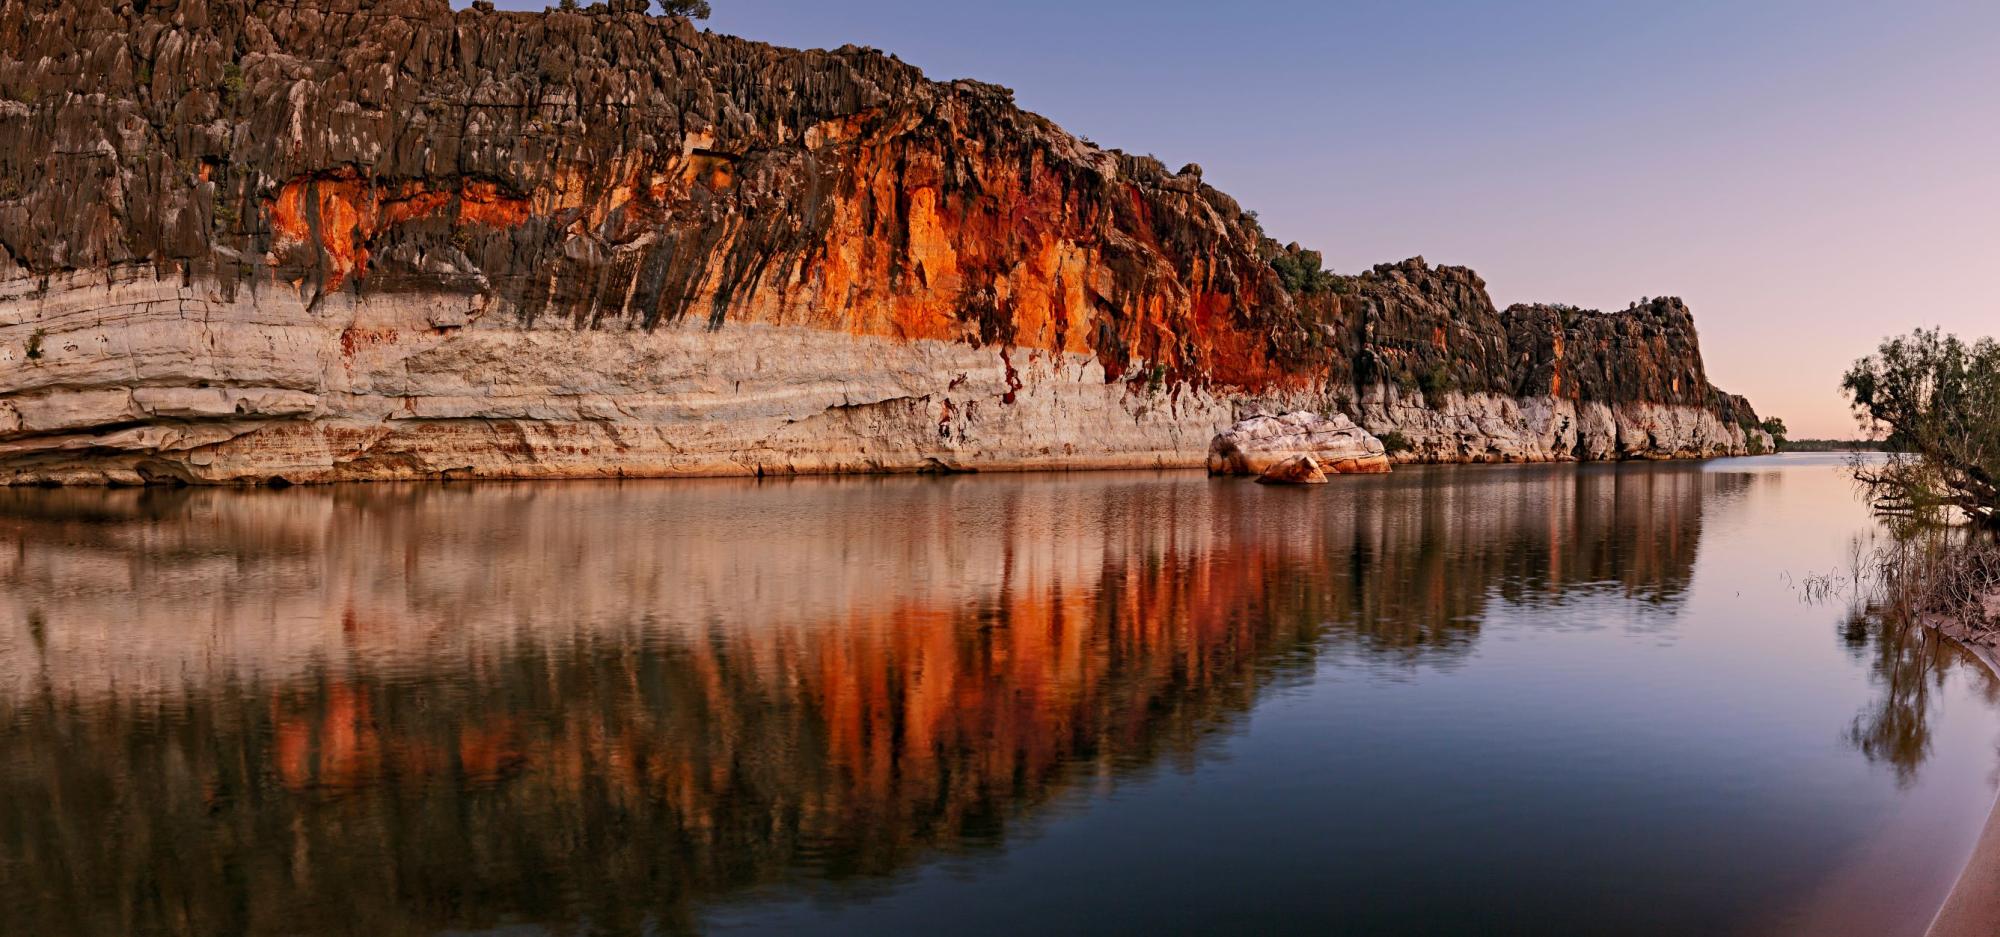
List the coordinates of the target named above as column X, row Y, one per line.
column 1261, row 443
column 1444, row 376
column 1297, row 470
column 245, row 242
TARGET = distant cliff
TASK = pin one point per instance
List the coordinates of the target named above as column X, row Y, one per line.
column 378, row 238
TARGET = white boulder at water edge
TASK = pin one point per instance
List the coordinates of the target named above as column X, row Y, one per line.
column 1255, row 445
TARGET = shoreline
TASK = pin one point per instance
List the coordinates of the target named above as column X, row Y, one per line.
column 934, row 469
column 1972, row 907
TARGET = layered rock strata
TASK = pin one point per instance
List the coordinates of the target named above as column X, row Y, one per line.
column 248, row 242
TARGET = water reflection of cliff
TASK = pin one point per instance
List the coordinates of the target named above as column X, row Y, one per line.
column 398, row 709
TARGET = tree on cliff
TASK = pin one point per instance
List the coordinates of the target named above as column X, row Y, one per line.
column 1776, row 427
column 1302, row 271
column 1939, row 399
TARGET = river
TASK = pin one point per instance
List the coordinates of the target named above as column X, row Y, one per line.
column 1452, row 700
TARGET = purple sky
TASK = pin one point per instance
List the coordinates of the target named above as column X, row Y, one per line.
column 1810, row 176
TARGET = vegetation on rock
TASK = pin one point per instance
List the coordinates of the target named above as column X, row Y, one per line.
column 692, row 9
column 1303, row 272
column 1776, row 427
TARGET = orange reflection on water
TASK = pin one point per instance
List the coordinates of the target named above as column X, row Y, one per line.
column 655, row 695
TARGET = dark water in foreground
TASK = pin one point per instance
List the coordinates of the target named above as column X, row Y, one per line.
column 1536, row 700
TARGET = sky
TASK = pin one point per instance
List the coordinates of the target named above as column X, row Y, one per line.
column 1810, row 176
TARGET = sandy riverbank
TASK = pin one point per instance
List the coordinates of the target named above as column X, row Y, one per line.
column 1973, row 907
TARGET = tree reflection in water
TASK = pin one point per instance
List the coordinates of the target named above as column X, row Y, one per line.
column 398, row 709
column 1908, row 663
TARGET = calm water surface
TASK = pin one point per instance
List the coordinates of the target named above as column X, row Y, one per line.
column 1479, row 700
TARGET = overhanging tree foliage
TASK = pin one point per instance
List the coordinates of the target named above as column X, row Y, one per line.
column 1939, row 400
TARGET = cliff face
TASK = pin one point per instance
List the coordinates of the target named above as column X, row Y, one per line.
column 1458, row 380
column 378, row 238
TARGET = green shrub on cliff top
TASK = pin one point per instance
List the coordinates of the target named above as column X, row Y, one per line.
column 1776, row 427
column 692, row 9
column 1301, row 271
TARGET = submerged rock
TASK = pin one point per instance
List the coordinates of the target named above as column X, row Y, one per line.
column 1297, row 470
column 1261, row 443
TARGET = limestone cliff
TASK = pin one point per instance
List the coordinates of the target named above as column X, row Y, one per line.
column 1457, row 380
column 350, row 239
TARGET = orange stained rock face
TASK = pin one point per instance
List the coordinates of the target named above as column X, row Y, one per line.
column 353, row 340
column 1556, row 381
column 838, row 129
column 713, row 170
column 1015, row 261
column 566, row 189
column 907, row 249
column 482, row 202
column 1045, row 291
column 1237, row 355
column 340, row 214
column 1373, row 465
column 597, row 195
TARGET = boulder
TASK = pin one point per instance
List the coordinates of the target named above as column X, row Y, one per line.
column 1297, row 470
column 1255, row 445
